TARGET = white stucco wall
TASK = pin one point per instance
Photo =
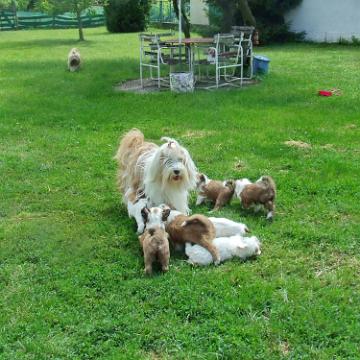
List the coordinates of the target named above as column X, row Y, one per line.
column 198, row 12
column 327, row 20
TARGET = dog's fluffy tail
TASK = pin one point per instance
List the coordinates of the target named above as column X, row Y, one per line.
column 130, row 141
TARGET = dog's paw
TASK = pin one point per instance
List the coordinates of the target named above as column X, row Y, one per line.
column 217, row 262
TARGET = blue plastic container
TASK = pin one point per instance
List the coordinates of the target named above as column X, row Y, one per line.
column 261, row 64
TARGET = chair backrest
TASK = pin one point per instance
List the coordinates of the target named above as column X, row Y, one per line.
column 153, row 38
column 247, row 31
column 224, row 40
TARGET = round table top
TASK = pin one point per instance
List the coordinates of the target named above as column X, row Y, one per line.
column 187, row 41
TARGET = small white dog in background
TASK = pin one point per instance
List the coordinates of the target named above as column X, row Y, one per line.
column 225, row 227
column 74, row 60
column 229, row 247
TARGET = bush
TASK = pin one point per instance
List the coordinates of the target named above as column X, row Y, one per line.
column 270, row 20
column 269, row 16
column 127, row 15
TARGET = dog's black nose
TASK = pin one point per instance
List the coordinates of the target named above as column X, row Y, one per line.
column 176, row 172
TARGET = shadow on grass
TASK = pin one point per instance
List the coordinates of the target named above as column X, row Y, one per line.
column 47, row 43
column 125, row 66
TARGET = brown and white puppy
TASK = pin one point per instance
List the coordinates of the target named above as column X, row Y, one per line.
column 262, row 192
column 74, row 60
column 154, row 240
column 196, row 229
column 218, row 192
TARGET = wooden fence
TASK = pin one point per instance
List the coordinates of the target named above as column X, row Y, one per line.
column 30, row 20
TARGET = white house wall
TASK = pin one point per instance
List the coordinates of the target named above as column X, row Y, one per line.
column 326, row 20
column 198, row 12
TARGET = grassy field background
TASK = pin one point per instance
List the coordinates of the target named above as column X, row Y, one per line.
column 71, row 270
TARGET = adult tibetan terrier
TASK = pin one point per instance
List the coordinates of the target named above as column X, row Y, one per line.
column 74, row 60
column 165, row 174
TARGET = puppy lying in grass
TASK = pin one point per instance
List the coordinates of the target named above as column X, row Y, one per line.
column 229, row 247
column 154, row 240
column 197, row 229
column 218, row 192
column 262, row 192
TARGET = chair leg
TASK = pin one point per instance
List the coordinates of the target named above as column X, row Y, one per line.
column 141, row 76
column 241, row 74
column 159, row 79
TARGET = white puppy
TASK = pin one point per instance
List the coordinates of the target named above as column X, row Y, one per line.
column 229, row 247
column 226, row 227
column 135, row 211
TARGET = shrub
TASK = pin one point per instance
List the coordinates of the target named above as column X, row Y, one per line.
column 127, row 15
column 269, row 16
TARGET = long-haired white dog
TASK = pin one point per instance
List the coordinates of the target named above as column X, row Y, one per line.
column 164, row 173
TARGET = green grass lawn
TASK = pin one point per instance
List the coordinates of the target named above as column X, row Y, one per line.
column 71, row 270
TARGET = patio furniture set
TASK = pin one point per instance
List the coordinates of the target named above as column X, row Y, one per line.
column 179, row 64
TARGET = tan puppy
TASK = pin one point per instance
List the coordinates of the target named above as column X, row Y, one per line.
column 218, row 192
column 154, row 240
column 196, row 229
column 262, row 192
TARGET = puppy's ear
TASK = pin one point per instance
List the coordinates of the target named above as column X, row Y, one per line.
column 165, row 214
column 145, row 214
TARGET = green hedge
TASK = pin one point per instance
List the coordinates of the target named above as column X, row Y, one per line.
column 127, row 15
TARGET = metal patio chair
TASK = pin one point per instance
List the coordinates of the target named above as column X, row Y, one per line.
column 154, row 53
column 227, row 57
column 245, row 33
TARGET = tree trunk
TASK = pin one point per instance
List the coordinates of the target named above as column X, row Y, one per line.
column 228, row 8
column 80, row 24
column 185, row 23
column 246, row 13
column 16, row 20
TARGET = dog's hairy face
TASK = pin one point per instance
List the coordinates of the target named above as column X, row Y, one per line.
column 174, row 160
column 201, row 180
column 155, row 216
